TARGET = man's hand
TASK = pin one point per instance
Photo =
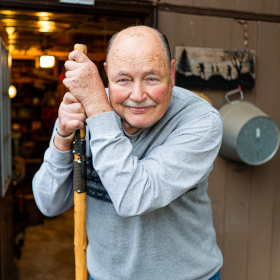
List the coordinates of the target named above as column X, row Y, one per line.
column 71, row 114
column 72, row 117
column 84, row 82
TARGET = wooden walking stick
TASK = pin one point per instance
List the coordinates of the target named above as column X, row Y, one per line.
column 79, row 183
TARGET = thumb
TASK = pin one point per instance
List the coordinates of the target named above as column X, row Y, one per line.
column 78, row 56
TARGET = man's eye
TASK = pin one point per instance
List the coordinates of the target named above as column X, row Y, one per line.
column 152, row 79
column 122, row 80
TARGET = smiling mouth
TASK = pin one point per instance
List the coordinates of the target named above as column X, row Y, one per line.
column 139, row 110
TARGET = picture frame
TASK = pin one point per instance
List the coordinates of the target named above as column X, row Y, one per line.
column 202, row 68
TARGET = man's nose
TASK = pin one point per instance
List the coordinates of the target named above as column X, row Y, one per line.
column 138, row 93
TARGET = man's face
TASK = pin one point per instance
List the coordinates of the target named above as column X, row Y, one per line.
column 140, row 80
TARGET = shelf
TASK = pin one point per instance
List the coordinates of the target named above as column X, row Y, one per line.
column 43, row 139
column 30, row 118
column 33, row 160
column 20, row 105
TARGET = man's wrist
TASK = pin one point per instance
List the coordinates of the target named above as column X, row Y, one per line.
column 96, row 105
column 68, row 136
column 63, row 143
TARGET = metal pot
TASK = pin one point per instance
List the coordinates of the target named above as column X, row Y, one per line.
column 250, row 136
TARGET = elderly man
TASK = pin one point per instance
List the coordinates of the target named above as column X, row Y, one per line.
column 151, row 147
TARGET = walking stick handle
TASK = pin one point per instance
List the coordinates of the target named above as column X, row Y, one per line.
column 79, row 183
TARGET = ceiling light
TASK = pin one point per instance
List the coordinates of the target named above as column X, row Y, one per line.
column 43, row 14
column 8, row 12
column 47, row 61
column 83, row 2
column 12, row 91
column 10, row 30
column 46, row 26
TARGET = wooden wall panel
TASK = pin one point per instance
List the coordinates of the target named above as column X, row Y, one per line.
column 239, row 5
column 216, row 35
column 188, row 31
column 217, row 32
column 168, row 21
column 182, row 30
column 265, row 179
column 274, row 43
column 260, row 222
column 268, row 71
column 212, row 3
column 179, row 2
column 236, row 222
column 277, row 9
column 275, row 243
column 237, row 191
column 237, row 42
column 269, row 7
column 245, row 201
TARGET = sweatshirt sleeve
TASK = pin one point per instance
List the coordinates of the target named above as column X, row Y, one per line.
column 52, row 184
column 137, row 186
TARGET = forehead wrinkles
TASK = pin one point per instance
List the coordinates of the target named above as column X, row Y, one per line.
column 137, row 47
column 134, row 56
column 136, row 33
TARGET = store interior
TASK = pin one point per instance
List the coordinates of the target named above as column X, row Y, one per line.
column 44, row 246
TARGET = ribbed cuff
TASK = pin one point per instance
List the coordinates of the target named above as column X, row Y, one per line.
column 103, row 124
column 57, row 157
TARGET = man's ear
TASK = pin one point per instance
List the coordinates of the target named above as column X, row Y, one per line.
column 105, row 67
column 173, row 70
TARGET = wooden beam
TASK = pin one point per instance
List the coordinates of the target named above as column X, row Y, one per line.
column 143, row 9
column 217, row 12
column 62, row 56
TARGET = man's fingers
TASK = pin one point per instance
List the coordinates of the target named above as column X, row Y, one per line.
column 76, row 117
column 67, row 82
column 75, row 108
column 69, row 98
column 78, row 56
column 70, row 121
column 69, row 74
column 75, row 125
column 66, row 128
column 71, row 65
column 71, row 109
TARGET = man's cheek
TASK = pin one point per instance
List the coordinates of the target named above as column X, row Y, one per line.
column 159, row 94
column 118, row 96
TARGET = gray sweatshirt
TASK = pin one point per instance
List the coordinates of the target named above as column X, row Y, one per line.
column 148, row 213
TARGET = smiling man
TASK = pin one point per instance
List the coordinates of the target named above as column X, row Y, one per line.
column 151, row 147
column 141, row 78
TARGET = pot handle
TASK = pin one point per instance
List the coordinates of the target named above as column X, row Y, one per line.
column 229, row 93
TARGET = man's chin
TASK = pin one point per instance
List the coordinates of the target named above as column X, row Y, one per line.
column 132, row 128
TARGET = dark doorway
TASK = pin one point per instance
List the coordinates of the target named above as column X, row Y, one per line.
column 50, row 28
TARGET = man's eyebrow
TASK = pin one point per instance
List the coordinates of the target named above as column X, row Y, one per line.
column 154, row 72
column 151, row 72
column 122, row 73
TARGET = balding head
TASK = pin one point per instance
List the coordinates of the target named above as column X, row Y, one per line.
column 141, row 77
column 141, row 32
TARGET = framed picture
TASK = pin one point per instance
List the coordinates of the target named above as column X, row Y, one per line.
column 202, row 68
